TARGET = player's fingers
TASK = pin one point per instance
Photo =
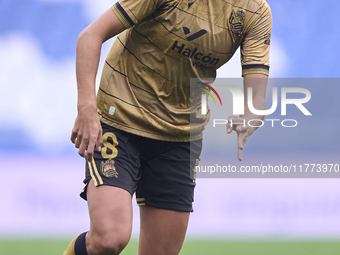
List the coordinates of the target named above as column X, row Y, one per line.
column 238, row 124
column 234, row 122
column 89, row 151
column 99, row 140
column 229, row 127
column 74, row 135
column 75, row 131
column 241, row 140
column 239, row 154
column 230, row 123
column 239, row 128
column 82, row 147
column 78, row 141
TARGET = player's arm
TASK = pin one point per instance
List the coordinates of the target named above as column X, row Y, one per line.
column 258, row 83
column 87, row 132
column 255, row 70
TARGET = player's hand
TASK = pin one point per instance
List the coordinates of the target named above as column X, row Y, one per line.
column 87, row 132
column 243, row 132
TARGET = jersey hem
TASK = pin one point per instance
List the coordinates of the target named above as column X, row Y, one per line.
column 151, row 135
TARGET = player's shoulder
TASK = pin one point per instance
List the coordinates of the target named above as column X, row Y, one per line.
column 253, row 5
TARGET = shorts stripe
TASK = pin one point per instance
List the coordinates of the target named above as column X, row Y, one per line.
column 95, row 175
column 92, row 175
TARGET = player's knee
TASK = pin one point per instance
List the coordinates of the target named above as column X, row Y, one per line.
column 111, row 244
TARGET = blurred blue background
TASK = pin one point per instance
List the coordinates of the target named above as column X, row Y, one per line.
column 38, row 108
column 38, row 38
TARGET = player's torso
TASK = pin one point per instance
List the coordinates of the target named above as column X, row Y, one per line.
column 157, row 57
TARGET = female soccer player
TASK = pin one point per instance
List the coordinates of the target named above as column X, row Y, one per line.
column 136, row 134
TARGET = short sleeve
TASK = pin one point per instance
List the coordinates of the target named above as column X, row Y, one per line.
column 131, row 12
column 256, row 44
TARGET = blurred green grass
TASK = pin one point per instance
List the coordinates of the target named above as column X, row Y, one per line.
column 190, row 247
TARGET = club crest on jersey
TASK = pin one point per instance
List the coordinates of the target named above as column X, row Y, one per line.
column 267, row 39
column 108, row 168
column 236, row 21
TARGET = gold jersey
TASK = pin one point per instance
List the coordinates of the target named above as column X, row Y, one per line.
column 145, row 84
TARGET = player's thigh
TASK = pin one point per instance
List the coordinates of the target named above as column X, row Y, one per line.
column 162, row 232
column 110, row 210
